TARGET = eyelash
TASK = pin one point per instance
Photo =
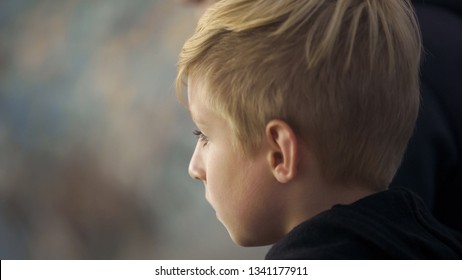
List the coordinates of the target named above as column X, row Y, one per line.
column 204, row 139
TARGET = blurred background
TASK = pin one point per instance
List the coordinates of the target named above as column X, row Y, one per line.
column 94, row 146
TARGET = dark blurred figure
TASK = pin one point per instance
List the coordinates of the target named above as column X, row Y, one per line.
column 432, row 166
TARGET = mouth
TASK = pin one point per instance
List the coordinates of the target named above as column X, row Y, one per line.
column 206, row 195
column 207, row 198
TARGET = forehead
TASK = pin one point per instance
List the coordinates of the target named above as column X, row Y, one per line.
column 197, row 99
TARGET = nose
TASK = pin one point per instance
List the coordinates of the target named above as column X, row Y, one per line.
column 196, row 167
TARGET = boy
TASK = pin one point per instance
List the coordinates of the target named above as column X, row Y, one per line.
column 304, row 109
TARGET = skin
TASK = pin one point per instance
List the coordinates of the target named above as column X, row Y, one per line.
column 239, row 189
column 259, row 199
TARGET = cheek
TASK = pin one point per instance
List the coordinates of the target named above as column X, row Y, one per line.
column 222, row 174
column 255, row 213
column 225, row 180
column 232, row 181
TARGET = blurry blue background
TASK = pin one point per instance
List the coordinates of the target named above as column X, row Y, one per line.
column 94, row 146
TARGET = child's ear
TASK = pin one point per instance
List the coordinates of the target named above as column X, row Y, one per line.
column 283, row 150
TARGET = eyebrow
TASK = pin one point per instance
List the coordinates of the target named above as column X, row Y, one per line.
column 191, row 114
column 196, row 119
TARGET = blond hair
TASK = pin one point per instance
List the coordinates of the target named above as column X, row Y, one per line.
column 342, row 73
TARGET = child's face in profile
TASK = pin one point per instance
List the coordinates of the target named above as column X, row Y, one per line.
column 239, row 188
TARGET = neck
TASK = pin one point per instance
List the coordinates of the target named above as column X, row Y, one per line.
column 309, row 200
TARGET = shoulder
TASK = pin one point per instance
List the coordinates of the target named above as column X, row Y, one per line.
column 386, row 225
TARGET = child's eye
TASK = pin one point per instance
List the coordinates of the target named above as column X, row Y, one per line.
column 204, row 139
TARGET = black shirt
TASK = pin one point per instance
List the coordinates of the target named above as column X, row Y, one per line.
column 392, row 224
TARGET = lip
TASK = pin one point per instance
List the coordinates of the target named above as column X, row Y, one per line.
column 207, row 198
column 210, row 203
column 206, row 195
